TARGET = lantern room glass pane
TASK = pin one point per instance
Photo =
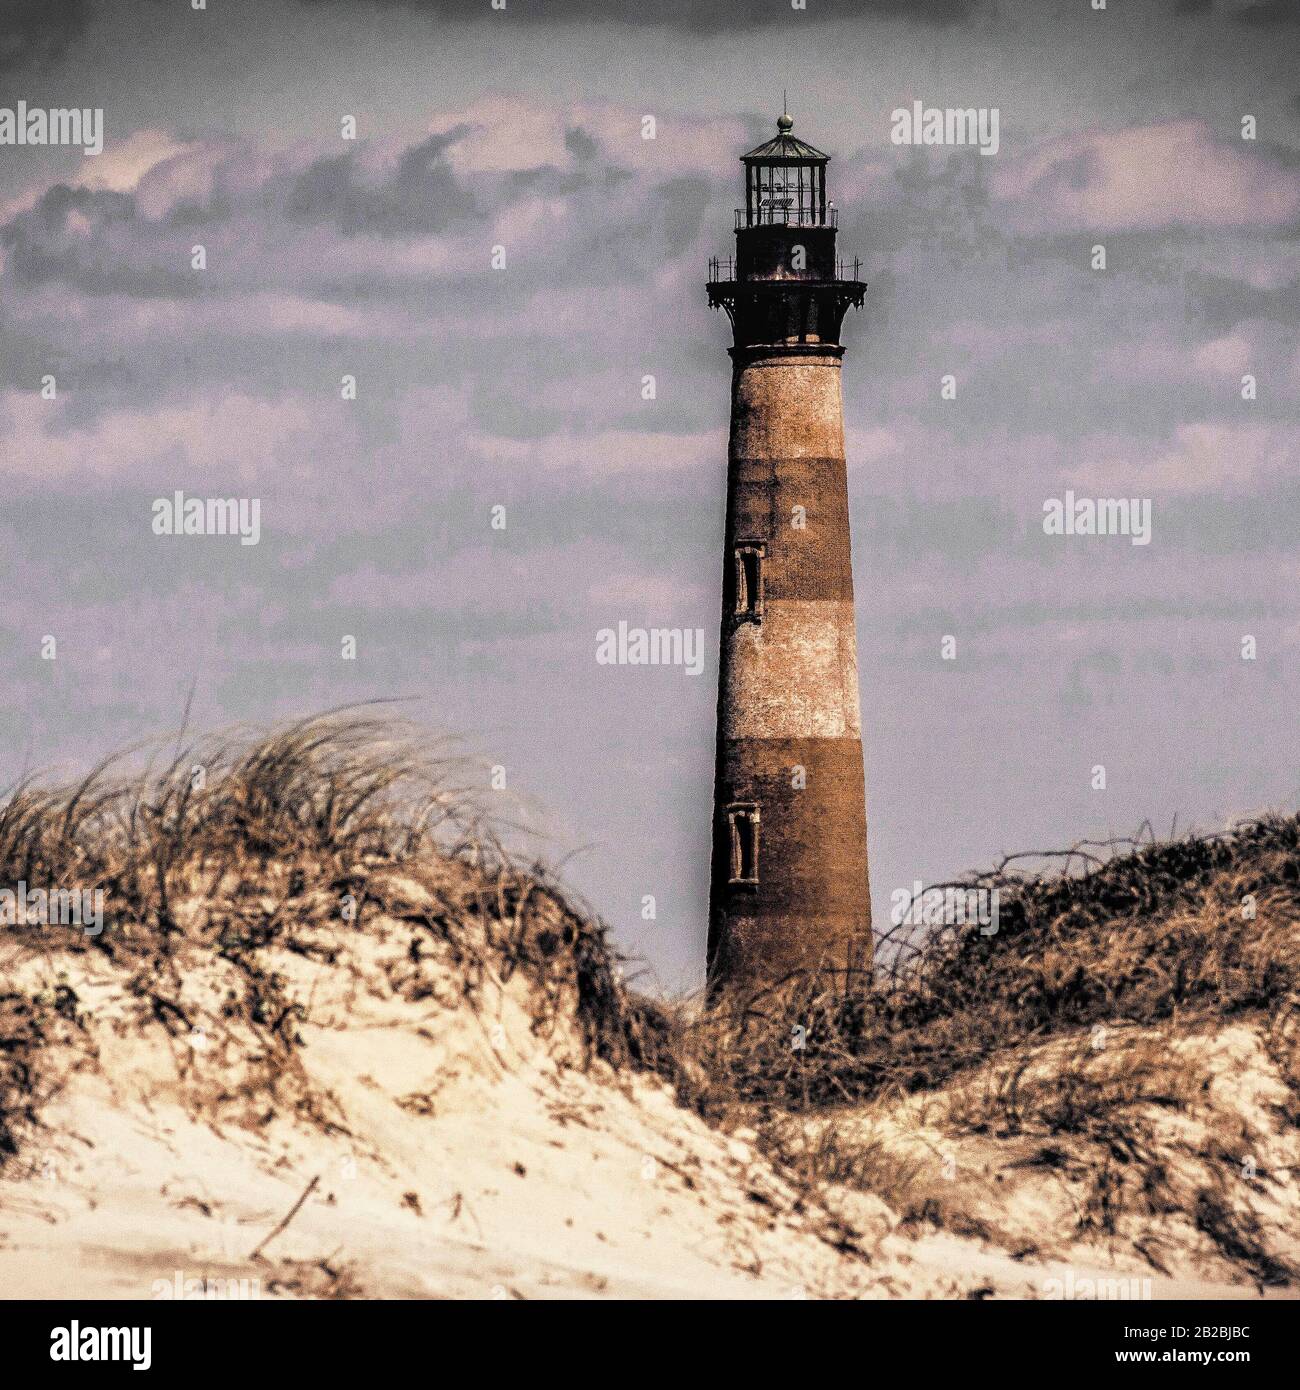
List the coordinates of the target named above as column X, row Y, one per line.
column 791, row 194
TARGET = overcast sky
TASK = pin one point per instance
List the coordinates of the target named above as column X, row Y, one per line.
column 522, row 387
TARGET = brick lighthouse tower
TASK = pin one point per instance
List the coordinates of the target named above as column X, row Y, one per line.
column 789, row 871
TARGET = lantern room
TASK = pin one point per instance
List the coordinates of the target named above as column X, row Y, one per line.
column 785, row 183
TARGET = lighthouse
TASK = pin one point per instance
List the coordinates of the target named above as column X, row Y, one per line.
column 788, row 884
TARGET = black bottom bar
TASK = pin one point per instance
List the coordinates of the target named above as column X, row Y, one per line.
column 1006, row 1341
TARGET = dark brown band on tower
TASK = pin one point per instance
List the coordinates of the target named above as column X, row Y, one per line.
column 811, row 905
column 800, row 508
column 817, row 831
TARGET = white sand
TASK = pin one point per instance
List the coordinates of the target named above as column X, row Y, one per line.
column 466, row 1157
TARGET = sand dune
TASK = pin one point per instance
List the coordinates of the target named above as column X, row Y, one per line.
column 457, row 1153
column 315, row 1053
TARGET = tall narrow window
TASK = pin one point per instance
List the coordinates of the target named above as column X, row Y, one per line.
column 742, row 821
column 748, row 580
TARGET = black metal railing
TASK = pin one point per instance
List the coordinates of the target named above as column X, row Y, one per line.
column 775, row 216
column 723, row 268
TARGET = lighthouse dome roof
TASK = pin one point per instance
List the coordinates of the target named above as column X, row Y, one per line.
column 785, row 147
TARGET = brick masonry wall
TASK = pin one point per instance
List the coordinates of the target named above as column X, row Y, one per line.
column 788, row 684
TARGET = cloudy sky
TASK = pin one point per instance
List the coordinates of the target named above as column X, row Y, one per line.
column 522, row 387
